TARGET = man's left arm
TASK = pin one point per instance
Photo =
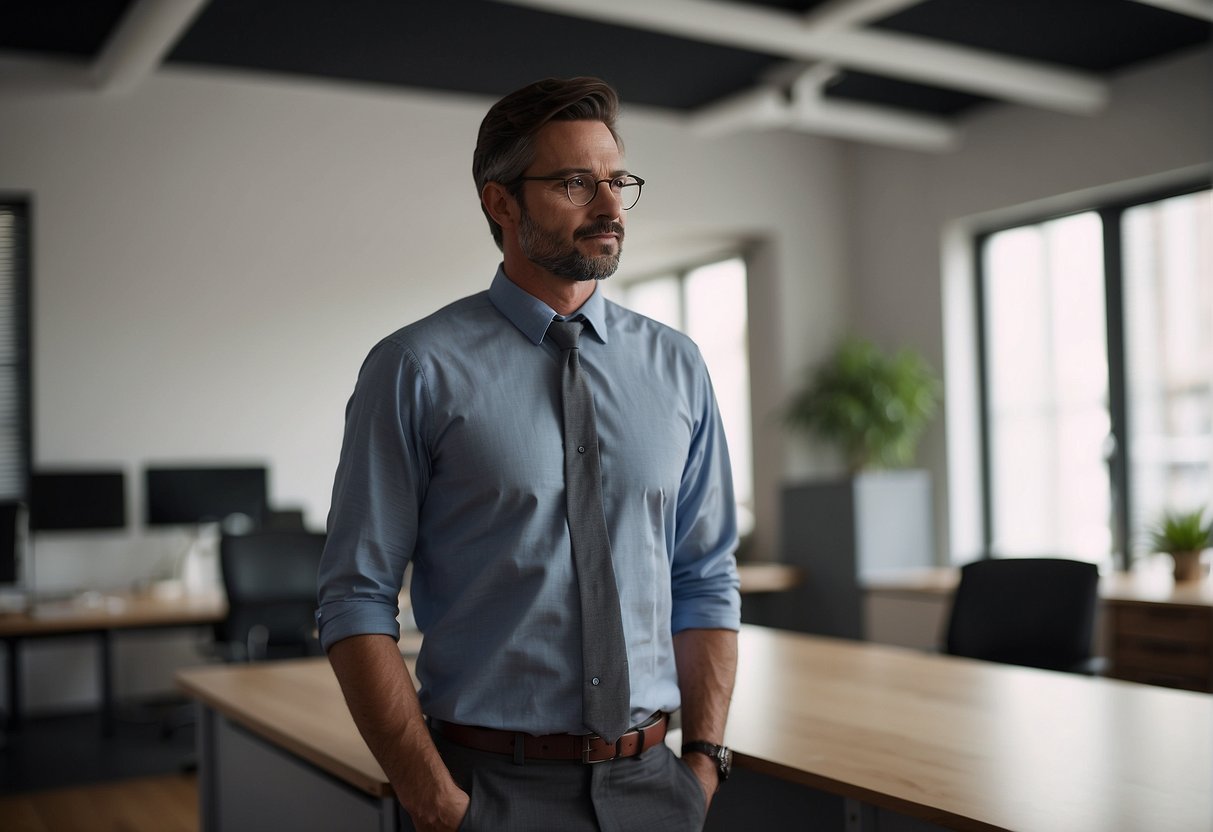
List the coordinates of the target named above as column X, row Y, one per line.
column 704, row 585
column 707, row 667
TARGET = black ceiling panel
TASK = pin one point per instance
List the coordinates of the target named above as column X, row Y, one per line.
column 1095, row 35
column 488, row 48
column 461, row 46
column 64, row 27
column 903, row 95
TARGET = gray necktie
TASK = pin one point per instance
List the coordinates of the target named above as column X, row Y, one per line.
column 605, row 687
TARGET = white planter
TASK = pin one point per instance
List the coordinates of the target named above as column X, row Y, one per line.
column 840, row 531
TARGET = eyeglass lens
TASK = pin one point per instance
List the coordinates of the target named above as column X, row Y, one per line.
column 583, row 189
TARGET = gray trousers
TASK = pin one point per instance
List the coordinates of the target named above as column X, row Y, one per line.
column 655, row 790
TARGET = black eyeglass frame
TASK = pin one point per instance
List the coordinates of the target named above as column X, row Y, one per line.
column 567, row 179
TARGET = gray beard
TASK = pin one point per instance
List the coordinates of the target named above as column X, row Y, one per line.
column 548, row 251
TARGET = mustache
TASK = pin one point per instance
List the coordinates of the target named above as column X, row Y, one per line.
column 604, row 227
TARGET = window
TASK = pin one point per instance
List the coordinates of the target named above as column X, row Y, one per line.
column 1168, row 300
column 708, row 303
column 14, row 349
column 1097, row 376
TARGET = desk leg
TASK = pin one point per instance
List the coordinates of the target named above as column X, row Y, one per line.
column 107, row 683
column 389, row 816
column 207, row 760
column 860, row 816
column 14, row 683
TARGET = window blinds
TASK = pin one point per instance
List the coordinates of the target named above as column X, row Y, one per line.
column 14, row 353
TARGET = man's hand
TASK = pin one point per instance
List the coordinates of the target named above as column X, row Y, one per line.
column 446, row 815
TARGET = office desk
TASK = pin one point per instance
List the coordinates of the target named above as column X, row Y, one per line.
column 1155, row 630
column 100, row 616
column 759, row 577
column 828, row 734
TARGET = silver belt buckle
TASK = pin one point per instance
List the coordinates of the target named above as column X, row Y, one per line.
column 585, row 750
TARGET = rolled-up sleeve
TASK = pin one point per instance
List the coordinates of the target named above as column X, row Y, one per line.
column 704, row 581
column 379, row 486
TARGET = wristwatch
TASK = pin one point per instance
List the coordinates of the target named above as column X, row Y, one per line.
column 720, row 755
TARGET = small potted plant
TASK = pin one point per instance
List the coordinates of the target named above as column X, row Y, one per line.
column 1183, row 535
column 873, row 407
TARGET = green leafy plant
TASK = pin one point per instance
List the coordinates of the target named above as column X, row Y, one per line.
column 1181, row 531
column 873, row 406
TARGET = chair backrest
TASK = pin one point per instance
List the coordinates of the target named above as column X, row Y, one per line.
column 271, row 579
column 1038, row 612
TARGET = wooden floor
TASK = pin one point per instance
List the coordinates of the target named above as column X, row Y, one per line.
column 153, row 804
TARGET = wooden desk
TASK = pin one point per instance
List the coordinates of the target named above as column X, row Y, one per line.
column 834, row 733
column 1155, row 630
column 1159, row 632
column 757, row 577
column 100, row 616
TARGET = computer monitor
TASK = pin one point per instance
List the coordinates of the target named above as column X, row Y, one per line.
column 10, row 550
column 77, row 500
column 188, row 496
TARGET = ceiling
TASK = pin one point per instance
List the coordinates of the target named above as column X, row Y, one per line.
column 899, row 72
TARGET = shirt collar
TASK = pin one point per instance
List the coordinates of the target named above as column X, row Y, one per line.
column 532, row 316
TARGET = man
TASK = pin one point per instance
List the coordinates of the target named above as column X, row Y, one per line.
column 455, row 460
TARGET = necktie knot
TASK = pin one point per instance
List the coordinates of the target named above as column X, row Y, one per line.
column 565, row 334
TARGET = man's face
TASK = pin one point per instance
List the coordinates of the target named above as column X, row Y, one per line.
column 578, row 243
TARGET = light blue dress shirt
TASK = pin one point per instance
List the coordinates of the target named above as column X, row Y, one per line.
column 453, row 459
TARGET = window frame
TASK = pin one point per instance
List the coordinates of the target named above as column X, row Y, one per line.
column 1110, row 213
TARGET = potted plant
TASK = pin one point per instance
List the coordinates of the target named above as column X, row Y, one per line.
column 1183, row 535
column 873, row 407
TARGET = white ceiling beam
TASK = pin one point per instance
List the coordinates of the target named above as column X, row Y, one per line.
column 896, row 55
column 760, row 108
column 804, row 108
column 1199, row 9
column 23, row 75
column 812, row 111
column 876, row 125
column 139, row 43
column 843, row 14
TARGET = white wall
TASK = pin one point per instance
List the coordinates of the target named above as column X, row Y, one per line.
column 908, row 289
column 215, row 253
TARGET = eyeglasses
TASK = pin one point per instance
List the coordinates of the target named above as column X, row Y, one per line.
column 582, row 189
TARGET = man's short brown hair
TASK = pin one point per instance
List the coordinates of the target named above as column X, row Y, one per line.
column 504, row 146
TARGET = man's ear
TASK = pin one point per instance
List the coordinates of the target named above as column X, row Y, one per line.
column 500, row 204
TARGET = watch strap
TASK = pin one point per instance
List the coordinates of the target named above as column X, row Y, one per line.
column 719, row 754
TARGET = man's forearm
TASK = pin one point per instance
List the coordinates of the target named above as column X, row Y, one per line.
column 707, row 668
column 380, row 695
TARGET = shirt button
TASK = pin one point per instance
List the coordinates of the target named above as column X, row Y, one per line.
column 581, row 449
column 595, row 681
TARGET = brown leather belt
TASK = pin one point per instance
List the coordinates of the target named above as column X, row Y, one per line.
column 587, row 748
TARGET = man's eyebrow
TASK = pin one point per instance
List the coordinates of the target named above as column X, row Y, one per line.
column 567, row 172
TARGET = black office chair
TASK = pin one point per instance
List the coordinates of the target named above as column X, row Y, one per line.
column 270, row 579
column 1036, row 612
